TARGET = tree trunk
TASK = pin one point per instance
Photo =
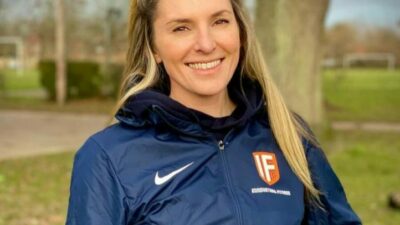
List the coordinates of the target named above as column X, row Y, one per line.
column 290, row 32
column 61, row 81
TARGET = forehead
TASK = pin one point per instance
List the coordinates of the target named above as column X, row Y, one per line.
column 170, row 9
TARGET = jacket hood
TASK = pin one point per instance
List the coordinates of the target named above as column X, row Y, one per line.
column 153, row 107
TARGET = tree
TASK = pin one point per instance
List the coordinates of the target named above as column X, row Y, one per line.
column 61, row 81
column 290, row 32
column 382, row 39
column 341, row 39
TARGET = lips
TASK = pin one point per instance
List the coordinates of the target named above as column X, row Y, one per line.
column 205, row 65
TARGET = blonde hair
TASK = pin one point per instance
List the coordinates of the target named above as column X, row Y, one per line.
column 142, row 71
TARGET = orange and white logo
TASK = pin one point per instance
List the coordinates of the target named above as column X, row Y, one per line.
column 267, row 167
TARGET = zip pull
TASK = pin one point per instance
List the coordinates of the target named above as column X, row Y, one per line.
column 221, row 145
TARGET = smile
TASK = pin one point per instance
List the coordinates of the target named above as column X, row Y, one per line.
column 205, row 65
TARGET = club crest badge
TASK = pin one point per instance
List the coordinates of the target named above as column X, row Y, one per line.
column 267, row 167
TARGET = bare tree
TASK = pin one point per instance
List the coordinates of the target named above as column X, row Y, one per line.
column 61, row 81
column 290, row 32
column 340, row 40
column 382, row 40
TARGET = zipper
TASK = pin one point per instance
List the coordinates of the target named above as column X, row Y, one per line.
column 221, row 146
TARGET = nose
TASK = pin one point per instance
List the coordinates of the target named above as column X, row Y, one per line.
column 205, row 42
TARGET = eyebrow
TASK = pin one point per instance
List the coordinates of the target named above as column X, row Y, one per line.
column 186, row 20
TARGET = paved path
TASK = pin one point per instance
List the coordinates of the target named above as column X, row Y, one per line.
column 366, row 126
column 25, row 133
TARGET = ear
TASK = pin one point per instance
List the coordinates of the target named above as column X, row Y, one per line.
column 157, row 57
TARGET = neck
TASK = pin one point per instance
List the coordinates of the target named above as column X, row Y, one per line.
column 216, row 106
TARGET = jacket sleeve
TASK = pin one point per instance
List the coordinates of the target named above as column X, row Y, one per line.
column 96, row 195
column 337, row 210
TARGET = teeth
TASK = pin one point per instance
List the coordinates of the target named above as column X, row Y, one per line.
column 205, row 66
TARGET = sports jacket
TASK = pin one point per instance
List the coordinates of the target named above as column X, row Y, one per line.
column 161, row 165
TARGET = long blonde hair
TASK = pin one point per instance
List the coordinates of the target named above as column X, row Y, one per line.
column 142, row 72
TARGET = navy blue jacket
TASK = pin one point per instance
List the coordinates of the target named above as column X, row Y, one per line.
column 161, row 165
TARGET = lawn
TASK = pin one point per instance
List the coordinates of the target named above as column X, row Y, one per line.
column 362, row 94
column 368, row 166
column 35, row 190
column 26, row 80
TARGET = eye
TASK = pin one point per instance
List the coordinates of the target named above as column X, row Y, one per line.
column 222, row 21
column 180, row 29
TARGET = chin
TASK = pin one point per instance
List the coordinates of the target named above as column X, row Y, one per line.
column 210, row 91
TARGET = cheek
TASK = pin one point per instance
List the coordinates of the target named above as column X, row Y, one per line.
column 230, row 41
column 171, row 49
column 235, row 42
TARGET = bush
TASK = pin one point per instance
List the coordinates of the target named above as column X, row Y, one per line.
column 114, row 74
column 2, row 83
column 83, row 79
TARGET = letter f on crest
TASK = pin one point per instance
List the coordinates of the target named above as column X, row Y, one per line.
column 267, row 167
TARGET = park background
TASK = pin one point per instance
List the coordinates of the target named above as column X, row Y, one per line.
column 358, row 73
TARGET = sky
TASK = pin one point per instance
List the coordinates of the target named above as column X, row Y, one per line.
column 384, row 13
column 370, row 12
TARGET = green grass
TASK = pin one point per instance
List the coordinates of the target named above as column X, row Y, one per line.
column 362, row 94
column 27, row 80
column 368, row 166
column 35, row 190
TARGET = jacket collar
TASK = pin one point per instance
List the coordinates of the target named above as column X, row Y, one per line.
column 153, row 107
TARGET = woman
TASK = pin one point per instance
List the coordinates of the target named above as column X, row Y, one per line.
column 203, row 135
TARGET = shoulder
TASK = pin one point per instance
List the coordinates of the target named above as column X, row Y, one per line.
column 103, row 154
column 95, row 182
column 111, row 143
column 333, row 196
column 113, row 136
column 317, row 160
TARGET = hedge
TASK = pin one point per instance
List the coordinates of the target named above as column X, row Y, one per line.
column 114, row 79
column 83, row 79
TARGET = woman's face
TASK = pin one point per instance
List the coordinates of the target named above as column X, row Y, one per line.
column 198, row 42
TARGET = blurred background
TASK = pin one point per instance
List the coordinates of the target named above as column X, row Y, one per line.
column 61, row 62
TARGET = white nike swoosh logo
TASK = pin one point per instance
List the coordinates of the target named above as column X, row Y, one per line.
column 161, row 180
